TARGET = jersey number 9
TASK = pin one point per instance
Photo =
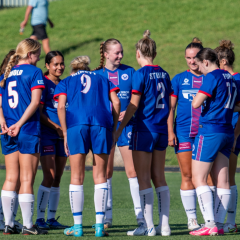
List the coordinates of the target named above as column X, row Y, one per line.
column 12, row 93
column 86, row 84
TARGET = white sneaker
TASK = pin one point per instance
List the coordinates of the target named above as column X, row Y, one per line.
column 164, row 231
column 107, row 223
column 18, row 225
column 140, row 231
column 193, row 224
column 229, row 228
column 2, row 225
column 150, row 231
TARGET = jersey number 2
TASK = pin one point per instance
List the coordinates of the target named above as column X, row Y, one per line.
column 161, row 95
column 231, row 99
column 12, row 93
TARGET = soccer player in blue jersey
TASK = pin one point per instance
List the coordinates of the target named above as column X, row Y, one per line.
column 21, row 90
column 53, row 158
column 213, row 144
column 120, row 75
column 150, row 102
column 226, row 59
column 87, row 124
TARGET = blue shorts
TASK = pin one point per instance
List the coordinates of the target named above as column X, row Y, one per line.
column 24, row 143
column 148, row 141
column 125, row 137
column 82, row 138
column 184, row 144
column 206, row 146
column 52, row 147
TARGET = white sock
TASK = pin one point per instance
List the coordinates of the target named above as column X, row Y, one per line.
column 221, row 204
column 213, row 189
column 232, row 209
column 42, row 200
column 134, row 189
column 205, row 200
column 53, row 202
column 1, row 211
column 163, row 196
column 108, row 214
column 76, row 196
column 100, row 201
column 189, row 202
column 15, row 207
column 8, row 204
column 147, row 200
column 26, row 202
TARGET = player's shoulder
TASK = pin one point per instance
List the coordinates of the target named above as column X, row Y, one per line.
column 181, row 76
column 236, row 76
column 125, row 67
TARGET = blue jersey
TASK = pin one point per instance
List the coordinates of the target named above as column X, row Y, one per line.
column 236, row 114
column 221, row 89
column 154, row 85
column 49, row 109
column 186, row 86
column 122, row 78
column 16, row 96
column 88, row 99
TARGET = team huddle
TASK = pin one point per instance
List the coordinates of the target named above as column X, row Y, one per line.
column 45, row 118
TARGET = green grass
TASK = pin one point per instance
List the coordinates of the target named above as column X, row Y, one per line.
column 123, row 213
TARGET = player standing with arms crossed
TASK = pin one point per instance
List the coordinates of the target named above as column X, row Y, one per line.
column 120, row 75
column 214, row 141
column 21, row 90
column 53, row 158
column 87, row 93
column 226, row 59
column 151, row 90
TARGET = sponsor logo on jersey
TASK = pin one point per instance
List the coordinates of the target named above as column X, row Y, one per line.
column 124, row 77
column 40, row 81
column 189, row 94
column 186, row 82
column 124, row 94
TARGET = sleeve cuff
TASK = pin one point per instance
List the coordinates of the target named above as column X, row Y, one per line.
column 116, row 89
column 0, row 94
column 137, row 92
column 42, row 103
column 55, row 97
column 209, row 95
column 39, row 86
column 171, row 94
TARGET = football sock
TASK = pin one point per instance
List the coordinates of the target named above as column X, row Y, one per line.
column 76, row 196
column 26, row 202
column 100, row 201
column 108, row 214
column 221, row 205
column 134, row 188
column 232, row 209
column 42, row 200
column 15, row 207
column 163, row 197
column 8, row 203
column 189, row 202
column 1, row 211
column 53, row 202
column 213, row 189
column 147, row 199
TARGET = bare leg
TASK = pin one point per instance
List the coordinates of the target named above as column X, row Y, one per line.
column 34, row 37
column 46, row 47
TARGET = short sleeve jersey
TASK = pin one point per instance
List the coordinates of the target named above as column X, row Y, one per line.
column 186, row 86
column 221, row 89
column 122, row 78
column 236, row 114
column 49, row 109
column 88, row 99
column 154, row 86
column 16, row 96
column 39, row 11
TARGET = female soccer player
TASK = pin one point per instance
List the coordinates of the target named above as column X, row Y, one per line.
column 53, row 158
column 80, row 63
column 120, row 75
column 21, row 90
column 226, row 59
column 214, row 141
column 151, row 88
column 185, row 86
column 87, row 124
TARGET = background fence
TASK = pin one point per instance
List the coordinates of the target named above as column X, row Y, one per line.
column 15, row 3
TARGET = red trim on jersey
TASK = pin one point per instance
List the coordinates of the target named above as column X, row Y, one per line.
column 209, row 95
column 174, row 95
column 0, row 94
column 47, row 77
column 136, row 91
column 188, row 70
column 55, row 97
column 116, row 89
column 151, row 66
column 235, row 73
column 42, row 103
column 36, row 87
column 171, row 93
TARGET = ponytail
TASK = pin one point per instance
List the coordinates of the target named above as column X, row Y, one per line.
column 102, row 58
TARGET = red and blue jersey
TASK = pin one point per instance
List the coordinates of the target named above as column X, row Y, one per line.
column 186, row 86
column 154, row 86
column 88, row 99
column 223, row 93
column 16, row 96
column 122, row 78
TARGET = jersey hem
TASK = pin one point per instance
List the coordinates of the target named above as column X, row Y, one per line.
column 116, row 89
column 136, row 91
column 36, row 87
column 55, row 97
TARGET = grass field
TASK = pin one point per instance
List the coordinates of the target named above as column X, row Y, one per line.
column 123, row 213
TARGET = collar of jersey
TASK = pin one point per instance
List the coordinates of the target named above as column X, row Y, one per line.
column 151, row 66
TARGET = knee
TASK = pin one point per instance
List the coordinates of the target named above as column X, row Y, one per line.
column 159, row 181
column 49, row 178
column 187, row 176
column 57, row 179
column 77, row 179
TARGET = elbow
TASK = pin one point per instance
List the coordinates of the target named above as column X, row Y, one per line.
column 61, row 107
column 194, row 105
column 116, row 103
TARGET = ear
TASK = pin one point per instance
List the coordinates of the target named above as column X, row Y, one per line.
column 138, row 55
column 47, row 66
column 224, row 61
column 106, row 55
column 29, row 55
column 205, row 62
column 155, row 55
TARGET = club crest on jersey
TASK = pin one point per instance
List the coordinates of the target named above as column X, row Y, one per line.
column 186, row 82
column 129, row 135
column 124, row 77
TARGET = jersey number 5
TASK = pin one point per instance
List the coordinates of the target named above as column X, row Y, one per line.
column 12, row 93
column 231, row 99
column 161, row 95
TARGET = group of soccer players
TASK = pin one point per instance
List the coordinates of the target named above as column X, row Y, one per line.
column 45, row 118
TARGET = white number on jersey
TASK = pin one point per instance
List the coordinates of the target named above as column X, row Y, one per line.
column 231, row 99
column 12, row 93
column 161, row 95
column 86, row 84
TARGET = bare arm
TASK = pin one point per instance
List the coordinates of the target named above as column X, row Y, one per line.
column 236, row 134
column 2, row 119
column 199, row 100
column 27, row 13
column 172, row 140
column 116, row 108
column 50, row 23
